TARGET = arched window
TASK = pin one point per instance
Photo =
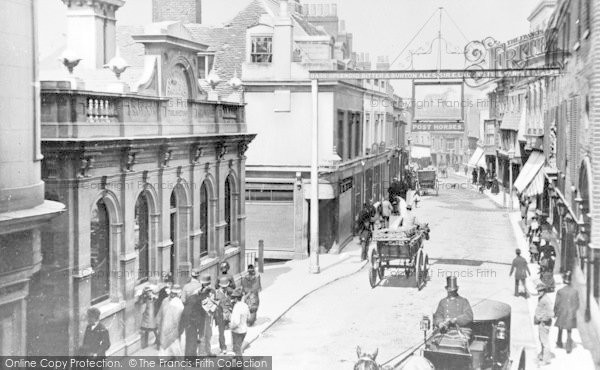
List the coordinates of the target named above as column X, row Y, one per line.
column 203, row 220
column 228, row 213
column 142, row 236
column 100, row 252
column 173, row 229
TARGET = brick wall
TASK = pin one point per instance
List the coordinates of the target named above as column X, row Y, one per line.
column 186, row 11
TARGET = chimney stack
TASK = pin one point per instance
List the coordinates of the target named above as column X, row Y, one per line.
column 282, row 42
column 184, row 11
column 92, row 31
column 383, row 63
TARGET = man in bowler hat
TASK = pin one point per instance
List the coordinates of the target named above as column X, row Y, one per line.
column 565, row 311
column 192, row 286
column 453, row 310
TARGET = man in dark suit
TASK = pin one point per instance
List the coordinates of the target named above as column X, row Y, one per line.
column 192, row 322
column 521, row 270
column 453, row 310
column 96, row 340
column 565, row 310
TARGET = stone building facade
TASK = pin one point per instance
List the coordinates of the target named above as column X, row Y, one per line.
column 151, row 167
column 24, row 214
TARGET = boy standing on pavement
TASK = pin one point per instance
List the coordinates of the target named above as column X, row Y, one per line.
column 239, row 319
column 251, row 286
column 521, row 270
column 96, row 340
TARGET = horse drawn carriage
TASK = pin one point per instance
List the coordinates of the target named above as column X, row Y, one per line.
column 488, row 347
column 427, row 180
column 400, row 248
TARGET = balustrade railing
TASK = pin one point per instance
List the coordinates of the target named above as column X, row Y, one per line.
column 100, row 110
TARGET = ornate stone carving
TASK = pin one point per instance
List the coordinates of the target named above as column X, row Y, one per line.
column 242, row 147
column 196, row 153
column 220, row 151
column 166, row 155
column 128, row 159
column 85, row 164
column 50, row 167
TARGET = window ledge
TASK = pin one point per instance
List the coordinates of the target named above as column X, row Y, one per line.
column 208, row 261
column 586, row 34
column 576, row 46
column 108, row 308
column 231, row 251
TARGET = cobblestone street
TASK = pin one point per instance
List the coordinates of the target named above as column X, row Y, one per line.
column 471, row 238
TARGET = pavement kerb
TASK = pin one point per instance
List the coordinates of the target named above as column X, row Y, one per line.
column 248, row 342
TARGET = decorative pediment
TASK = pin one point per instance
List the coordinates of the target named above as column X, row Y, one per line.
column 149, row 80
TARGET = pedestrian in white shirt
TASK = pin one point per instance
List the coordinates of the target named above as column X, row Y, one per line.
column 239, row 321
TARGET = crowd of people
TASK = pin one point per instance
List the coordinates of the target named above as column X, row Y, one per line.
column 565, row 305
column 181, row 320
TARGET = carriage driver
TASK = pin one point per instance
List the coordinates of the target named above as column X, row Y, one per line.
column 453, row 310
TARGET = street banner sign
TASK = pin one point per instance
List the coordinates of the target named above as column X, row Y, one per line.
column 444, row 74
column 438, row 126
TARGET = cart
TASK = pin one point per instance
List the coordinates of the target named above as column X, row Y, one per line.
column 402, row 249
column 487, row 349
column 427, row 180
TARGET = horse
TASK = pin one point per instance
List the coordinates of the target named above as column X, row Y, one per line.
column 367, row 361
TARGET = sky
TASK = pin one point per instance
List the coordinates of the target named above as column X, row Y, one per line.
column 379, row 27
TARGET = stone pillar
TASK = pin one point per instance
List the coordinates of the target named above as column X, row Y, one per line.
column 183, row 244
column 242, row 211
column 155, row 252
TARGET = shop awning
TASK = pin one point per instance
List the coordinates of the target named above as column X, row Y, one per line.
column 530, row 173
column 476, row 158
column 420, row 152
column 511, row 121
column 536, row 186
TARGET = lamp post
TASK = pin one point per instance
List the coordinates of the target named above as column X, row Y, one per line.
column 582, row 242
column 511, row 156
column 314, row 182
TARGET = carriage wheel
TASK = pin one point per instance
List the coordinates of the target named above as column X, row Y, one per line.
column 375, row 265
column 426, row 269
column 522, row 360
column 373, row 277
column 418, row 271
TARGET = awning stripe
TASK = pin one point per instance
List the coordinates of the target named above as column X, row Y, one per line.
column 536, row 186
column 475, row 158
column 529, row 171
